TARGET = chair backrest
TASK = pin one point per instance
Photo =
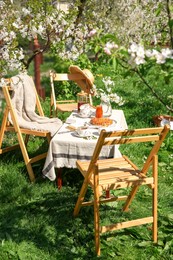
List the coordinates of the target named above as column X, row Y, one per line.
column 156, row 135
column 61, row 77
column 6, row 91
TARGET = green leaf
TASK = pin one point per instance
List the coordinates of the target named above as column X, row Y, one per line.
column 158, row 11
column 144, row 244
column 170, row 217
column 168, row 245
column 114, row 62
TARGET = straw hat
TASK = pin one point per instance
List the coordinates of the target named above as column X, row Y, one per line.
column 85, row 84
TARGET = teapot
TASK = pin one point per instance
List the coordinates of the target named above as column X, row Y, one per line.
column 86, row 110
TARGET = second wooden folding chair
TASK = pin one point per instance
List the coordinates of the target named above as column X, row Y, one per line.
column 121, row 173
column 83, row 78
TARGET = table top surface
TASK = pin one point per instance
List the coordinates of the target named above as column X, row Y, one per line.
column 67, row 146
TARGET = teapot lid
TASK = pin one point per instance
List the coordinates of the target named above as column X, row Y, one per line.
column 82, row 93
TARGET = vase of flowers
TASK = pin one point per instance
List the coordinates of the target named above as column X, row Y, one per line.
column 106, row 96
column 106, row 106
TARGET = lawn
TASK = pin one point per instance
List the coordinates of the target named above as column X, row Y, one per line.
column 36, row 220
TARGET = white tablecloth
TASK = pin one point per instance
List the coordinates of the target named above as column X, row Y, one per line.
column 65, row 147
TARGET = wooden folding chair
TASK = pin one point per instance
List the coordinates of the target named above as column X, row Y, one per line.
column 22, row 133
column 121, row 173
column 62, row 105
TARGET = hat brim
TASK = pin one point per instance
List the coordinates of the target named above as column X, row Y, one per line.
column 86, row 83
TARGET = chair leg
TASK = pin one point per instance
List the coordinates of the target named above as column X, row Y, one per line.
column 26, row 157
column 3, row 125
column 30, row 171
column 59, row 178
column 26, row 139
column 155, row 193
column 80, row 198
column 130, row 198
column 96, row 213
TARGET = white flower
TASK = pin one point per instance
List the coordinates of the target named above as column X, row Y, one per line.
column 25, row 11
column 104, row 98
column 133, row 48
column 160, row 58
column 106, row 94
column 137, row 53
column 111, row 45
column 140, row 52
column 139, row 60
column 107, row 81
column 155, row 52
column 2, row 82
column 149, row 53
column 167, row 53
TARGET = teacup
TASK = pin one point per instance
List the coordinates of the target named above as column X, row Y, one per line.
column 82, row 131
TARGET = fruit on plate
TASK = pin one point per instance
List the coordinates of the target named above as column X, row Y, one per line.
column 101, row 121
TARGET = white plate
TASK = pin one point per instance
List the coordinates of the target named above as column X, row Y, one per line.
column 70, row 121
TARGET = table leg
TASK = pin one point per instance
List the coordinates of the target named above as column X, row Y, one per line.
column 59, row 178
column 107, row 193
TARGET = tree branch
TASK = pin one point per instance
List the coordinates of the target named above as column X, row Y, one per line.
column 148, row 85
column 80, row 12
column 152, row 90
column 169, row 22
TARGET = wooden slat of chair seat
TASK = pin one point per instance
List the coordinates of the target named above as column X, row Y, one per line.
column 21, row 133
column 121, row 173
column 27, row 131
column 118, row 172
column 67, row 107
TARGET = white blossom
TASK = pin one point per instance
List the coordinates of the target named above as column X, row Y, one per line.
column 133, row 48
column 167, row 53
column 26, row 11
column 140, row 52
column 149, row 53
column 2, row 82
column 160, row 58
column 138, row 60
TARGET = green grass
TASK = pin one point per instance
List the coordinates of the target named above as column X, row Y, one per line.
column 36, row 220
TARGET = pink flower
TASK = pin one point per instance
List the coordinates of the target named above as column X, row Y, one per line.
column 92, row 33
column 107, row 51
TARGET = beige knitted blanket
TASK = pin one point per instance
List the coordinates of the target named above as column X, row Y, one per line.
column 24, row 103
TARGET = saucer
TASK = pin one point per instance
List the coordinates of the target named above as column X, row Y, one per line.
column 83, row 116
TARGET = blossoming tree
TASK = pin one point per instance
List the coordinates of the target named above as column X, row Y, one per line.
column 68, row 32
column 96, row 27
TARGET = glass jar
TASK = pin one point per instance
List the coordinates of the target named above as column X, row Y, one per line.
column 82, row 98
column 99, row 111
